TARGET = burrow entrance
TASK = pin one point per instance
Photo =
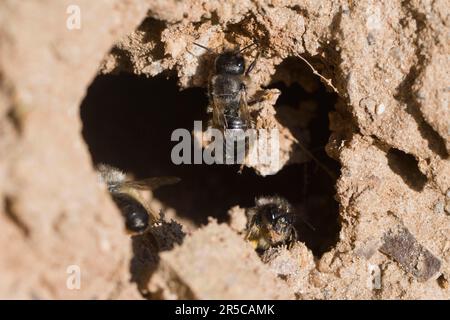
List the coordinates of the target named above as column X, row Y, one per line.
column 128, row 121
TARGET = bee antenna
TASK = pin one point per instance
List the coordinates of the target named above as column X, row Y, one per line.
column 202, row 46
column 308, row 224
column 254, row 43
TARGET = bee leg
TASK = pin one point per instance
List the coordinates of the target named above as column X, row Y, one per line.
column 254, row 43
column 294, row 234
column 292, row 238
column 252, row 65
column 204, row 47
column 252, row 235
column 242, row 166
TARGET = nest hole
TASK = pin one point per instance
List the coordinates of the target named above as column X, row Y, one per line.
column 303, row 107
column 407, row 167
column 128, row 121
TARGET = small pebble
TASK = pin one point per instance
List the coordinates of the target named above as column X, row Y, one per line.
column 400, row 245
column 447, row 208
column 439, row 207
column 380, row 109
column 443, row 282
column 447, row 204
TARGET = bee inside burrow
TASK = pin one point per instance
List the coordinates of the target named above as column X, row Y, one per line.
column 138, row 215
column 227, row 91
column 270, row 223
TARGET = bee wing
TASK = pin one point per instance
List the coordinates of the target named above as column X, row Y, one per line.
column 151, row 183
column 218, row 119
column 252, row 232
column 252, row 225
column 245, row 113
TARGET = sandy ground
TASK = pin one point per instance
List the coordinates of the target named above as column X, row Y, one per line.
column 387, row 63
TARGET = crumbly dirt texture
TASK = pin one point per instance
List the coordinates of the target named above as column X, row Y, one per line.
column 387, row 61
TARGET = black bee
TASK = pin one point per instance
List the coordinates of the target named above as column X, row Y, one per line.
column 227, row 91
column 135, row 210
column 271, row 223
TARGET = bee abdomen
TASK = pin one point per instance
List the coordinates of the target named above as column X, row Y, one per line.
column 236, row 123
column 135, row 214
column 136, row 221
column 235, row 143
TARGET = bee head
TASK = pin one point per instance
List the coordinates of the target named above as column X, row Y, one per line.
column 230, row 62
column 279, row 217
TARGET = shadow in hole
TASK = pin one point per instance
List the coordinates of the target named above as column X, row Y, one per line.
column 128, row 122
column 406, row 166
column 146, row 249
column 405, row 94
column 153, row 29
column 317, row 204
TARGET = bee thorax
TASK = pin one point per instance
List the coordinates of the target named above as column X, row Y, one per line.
column 111, row 176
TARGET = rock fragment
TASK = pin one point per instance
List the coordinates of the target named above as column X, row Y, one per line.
column 402, row 246
column 216, row 253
